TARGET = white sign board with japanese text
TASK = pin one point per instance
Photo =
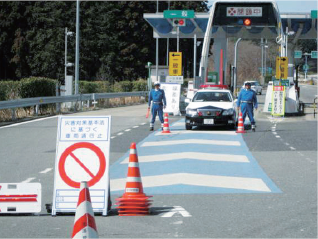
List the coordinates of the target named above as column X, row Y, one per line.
column 172, row 93
column 278, row 101
column 268, row 98
column 174, row 79
column 82, row 154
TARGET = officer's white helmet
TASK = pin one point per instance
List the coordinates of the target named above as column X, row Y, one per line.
column 157, row 83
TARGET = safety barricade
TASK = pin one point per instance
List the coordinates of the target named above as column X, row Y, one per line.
column 20, row 198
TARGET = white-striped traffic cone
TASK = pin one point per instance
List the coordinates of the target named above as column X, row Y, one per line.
column 166, row 129
column 240, row 126
column 134, row 201
column 84, row 223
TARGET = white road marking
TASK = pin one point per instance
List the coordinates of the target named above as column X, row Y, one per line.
column 135, row 126
column 113, row 137
column 27, row 122
column 177, row 223
column 120, row 133
column 192, row 141
column 287, row 144
column 253, row 184
column 292, row 148
column 191, row 155
column 277, row 136
column 274, row 132
column 177, row 210
column 46, row 170
column 127, row 130
column 199, row 132
column 28, row 180
column 143, row 123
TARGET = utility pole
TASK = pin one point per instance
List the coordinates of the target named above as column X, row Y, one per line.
column 77, row 47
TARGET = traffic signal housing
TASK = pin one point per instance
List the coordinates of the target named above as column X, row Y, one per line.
column 179, row 22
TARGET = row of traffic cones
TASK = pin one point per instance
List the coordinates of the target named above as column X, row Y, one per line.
column 240, row 126
column 134, row 201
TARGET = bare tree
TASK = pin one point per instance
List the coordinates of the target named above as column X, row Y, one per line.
column 249, row 59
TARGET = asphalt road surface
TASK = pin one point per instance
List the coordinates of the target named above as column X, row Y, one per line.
column 218, row 185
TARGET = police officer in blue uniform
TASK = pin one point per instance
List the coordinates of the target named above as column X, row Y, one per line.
column 247, row 100
column 158, row 98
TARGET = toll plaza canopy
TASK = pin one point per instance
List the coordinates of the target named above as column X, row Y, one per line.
column 301, row 24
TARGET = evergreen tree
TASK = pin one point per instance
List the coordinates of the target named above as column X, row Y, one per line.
column 116, row 42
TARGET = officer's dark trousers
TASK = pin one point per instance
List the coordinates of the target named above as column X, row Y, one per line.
column 247, row 108
column 157, row 108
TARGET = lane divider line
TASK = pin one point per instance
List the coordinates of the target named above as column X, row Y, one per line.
column 46, row 170
column 28, row 180
column 27, row 122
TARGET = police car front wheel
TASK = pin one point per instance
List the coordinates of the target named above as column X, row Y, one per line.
column 188, row 127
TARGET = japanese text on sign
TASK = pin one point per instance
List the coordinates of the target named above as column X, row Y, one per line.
column 175, row 63
column 172, row 92
column 281, row 67
column 83, row 129
column 278, row 100
column 243, row 11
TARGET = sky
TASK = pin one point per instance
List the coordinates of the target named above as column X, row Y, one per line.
column 293, row 5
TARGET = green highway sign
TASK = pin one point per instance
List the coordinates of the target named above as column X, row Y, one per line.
column 314, row 14
column 178, row 14
column 305, row 67
column 276, row 83
column 298, row 54
column 285, row 83
column 314, row 54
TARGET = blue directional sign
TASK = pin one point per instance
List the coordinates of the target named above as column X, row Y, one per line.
column 298, row 54
column 306, row 67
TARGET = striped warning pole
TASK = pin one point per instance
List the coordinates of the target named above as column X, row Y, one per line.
column 84, row 223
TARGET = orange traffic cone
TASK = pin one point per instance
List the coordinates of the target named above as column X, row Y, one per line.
column 240, row 126
column 84, row 223
column 133, row 202
column 166, row 129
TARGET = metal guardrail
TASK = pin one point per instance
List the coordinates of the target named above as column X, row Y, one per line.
column 28, row 102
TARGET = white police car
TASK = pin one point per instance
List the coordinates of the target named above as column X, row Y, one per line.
column 254, row 86
column 211, row 107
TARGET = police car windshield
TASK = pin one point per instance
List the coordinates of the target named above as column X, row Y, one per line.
column 212, row 96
